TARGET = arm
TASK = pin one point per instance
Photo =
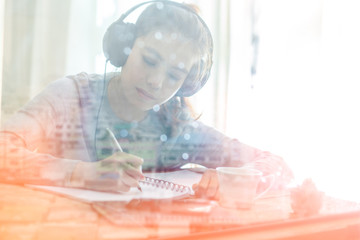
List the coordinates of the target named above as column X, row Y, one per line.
column 24, row 138
column 19, row 164
column 224, row 151
column 25, row 155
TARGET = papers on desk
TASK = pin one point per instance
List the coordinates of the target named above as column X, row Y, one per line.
column 171, row 185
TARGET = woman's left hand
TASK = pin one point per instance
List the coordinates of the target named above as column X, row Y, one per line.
column 208, row 187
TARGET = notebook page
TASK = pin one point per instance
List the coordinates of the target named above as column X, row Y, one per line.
column 148, row 191
column 183, row 177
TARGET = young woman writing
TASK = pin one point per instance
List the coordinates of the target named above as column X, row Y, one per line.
column 61, row 135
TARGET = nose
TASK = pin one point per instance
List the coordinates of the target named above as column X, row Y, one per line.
column 156, row 81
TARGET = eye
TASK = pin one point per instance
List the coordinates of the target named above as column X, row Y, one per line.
column 174, row 77
column 149, row 61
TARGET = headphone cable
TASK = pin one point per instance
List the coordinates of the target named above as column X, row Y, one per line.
column 99, row 109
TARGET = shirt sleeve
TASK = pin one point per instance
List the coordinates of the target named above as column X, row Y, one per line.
column 198, row 143
column 24, row 135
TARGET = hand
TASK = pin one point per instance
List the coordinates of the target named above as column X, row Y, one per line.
column 208, row 187
column 119, row 172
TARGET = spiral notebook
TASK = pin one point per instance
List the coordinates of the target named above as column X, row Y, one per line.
column 174, row 185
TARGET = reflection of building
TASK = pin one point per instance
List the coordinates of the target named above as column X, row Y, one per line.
column 146, row 149
column 193, row 145
column 15, row 158
column 195, row 152
column 66, row 139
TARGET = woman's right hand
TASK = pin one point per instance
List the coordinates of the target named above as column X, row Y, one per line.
column 119, row 172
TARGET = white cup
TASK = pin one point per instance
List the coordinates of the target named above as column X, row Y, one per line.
column 238, row 185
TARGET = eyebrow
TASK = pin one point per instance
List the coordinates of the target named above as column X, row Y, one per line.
column 153, row 51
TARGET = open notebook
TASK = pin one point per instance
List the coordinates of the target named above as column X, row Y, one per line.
column 171, row 185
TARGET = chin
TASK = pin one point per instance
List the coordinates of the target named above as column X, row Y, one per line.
column 144, row 106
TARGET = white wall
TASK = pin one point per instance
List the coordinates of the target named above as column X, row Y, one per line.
column 305, row 102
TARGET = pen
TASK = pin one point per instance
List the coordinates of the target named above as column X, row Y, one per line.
column 119, row 147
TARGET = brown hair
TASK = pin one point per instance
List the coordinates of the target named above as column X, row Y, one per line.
column 184, row 21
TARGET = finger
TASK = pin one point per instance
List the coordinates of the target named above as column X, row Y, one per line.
column 203, row 184
column 134, row 173
column 122, row 177
column 217, row 195
column 209, row 185
column 129, row 158
column 213, row 186
column 106, row 164
column 129, row 180
column 101, row 184
column 112, row 184
column 122, row 159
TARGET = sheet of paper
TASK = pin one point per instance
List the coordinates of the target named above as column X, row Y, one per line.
column 183, row 177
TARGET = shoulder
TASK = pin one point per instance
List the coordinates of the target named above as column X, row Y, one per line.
column 82, row 81
column 92, row 84
column 80, row 86
column 69, row 84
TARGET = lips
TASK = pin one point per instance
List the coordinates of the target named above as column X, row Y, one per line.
column 145, row 94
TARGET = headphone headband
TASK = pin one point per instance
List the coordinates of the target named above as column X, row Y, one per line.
column 124, row 15
column 127, row 13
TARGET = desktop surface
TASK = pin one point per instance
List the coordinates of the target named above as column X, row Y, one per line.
column 27, row 213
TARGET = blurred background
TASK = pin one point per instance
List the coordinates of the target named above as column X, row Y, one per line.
column 286, row 73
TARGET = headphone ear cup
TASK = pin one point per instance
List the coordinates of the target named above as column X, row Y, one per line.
column 195, row 80
column 118, row 40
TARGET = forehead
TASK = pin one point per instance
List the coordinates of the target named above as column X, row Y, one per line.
column 170, row 46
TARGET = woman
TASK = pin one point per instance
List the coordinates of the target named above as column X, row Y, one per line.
column 63, row 136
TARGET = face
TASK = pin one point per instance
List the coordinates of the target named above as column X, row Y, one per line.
column 155, row 70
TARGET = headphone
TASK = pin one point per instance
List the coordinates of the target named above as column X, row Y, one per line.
column 120, row 36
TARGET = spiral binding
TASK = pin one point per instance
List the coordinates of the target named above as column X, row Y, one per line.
column 159, row 183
